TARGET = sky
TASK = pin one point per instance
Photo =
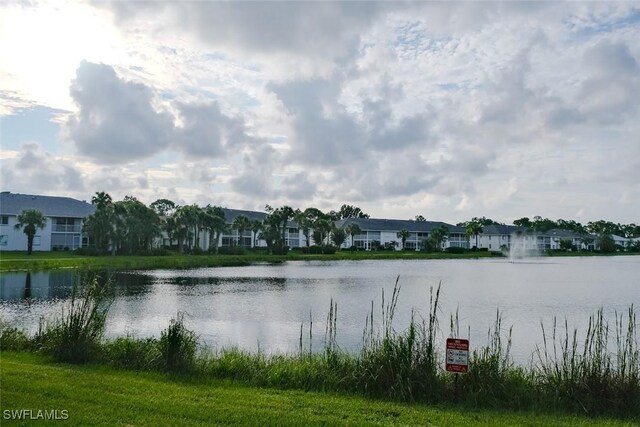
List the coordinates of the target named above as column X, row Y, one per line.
column 449, row 110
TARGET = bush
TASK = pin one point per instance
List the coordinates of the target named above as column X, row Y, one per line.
column 178, row 346
column 455, row 250
column 131, row 353
column 312, row 250
column 75, row 335
column 329, row 250
column 88, row 251
column 13, row 339
column 231, row 250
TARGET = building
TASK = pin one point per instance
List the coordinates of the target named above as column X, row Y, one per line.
column 63, row 228
column 498, row 237
column 383, row 232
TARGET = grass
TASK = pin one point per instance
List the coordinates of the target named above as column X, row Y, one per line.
column 99, row 395
column 572, row 375
column 20, row 261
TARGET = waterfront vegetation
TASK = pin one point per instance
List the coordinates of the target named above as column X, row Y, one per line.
column 574, row 372
column 152, row 399
column 19, row 261
column 37, row 261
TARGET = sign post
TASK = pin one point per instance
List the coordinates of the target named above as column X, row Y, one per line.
column 457, row 360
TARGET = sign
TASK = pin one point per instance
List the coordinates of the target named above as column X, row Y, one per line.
column 457, row 355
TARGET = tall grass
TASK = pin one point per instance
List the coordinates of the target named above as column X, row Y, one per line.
column 76, row 335
column 585, row 375
column 591, row 374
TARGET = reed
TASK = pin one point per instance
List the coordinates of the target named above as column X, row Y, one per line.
column 76, row 335
column 593, row 374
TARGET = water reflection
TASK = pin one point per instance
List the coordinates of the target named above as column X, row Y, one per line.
column 264, row 305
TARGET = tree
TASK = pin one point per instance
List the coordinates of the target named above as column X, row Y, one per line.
column 565, row 244
column 101, row 199
column 100, row 226
column 472, row 228
column 606, row 243
column 241, row 223
column 256, row 226
column 438, row 236
column 30, row 220
column 338, row 236
column 403, row 235
column 215, row 223
column 322, row 229
column 353, row 229
column 348, row 211
column 523, row 222
column 163, row 207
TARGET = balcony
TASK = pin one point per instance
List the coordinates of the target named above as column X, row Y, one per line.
column 61, row 228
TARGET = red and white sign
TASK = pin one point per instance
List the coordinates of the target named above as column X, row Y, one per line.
column 457, row 356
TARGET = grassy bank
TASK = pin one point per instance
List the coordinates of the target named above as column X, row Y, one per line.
column 20, row 261
column 574, row 373
column 98, row 395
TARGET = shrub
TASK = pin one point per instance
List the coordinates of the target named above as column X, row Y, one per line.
column 178, row 346
column 455, row 250
column 231, row 250
column 131, row 353
column 329, row 250
column 13, row 339
column 75, row 335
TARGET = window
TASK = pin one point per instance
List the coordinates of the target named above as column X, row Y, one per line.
column 4, row 240
column 4, row 220
column 36, row 240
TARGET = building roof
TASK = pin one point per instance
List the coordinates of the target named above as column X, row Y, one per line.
column 567, row 234
column 376, row 224
column 231, row 214
column 14, row 204
column 502, row 229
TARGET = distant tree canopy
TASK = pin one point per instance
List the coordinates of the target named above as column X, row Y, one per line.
column 348, row 211
column 596, row 227
column 129, row 226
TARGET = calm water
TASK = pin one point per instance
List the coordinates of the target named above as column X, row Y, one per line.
column 264, row 305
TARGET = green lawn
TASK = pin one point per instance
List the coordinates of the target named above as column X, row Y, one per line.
column 96, row 395
column 15, row 261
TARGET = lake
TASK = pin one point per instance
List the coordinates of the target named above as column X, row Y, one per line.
column 263, row 306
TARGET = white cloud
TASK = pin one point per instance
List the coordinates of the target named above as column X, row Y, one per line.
column 449, row 109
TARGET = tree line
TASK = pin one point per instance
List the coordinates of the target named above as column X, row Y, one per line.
column 129, row 226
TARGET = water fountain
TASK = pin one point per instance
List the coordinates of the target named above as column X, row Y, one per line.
column 523, row 246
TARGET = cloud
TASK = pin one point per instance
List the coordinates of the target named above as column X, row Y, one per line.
column 207, row 132
column 317, row 29
column 35, row 171
column 116, row 121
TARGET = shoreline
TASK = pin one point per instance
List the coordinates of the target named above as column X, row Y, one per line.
column 42, row 261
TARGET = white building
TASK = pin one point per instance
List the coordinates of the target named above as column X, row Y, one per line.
column 384, row 232
column 498, row 237
column 63, row 228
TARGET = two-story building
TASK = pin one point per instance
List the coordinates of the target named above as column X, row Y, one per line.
column 63, row 227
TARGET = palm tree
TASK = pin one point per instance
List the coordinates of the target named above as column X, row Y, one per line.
column 353, row 229
column 215, row 222
column 473, row 229
column 403, row 235
column 29, row 221
column 256, row 227
column 304, row 223
column 438, row 236
column 241, row 223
